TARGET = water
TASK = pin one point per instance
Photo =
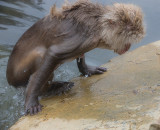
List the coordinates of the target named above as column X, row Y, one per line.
column 16, row 16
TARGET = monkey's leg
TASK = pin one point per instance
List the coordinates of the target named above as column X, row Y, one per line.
column 54, row 56
column 37, row 82
column 87, row 70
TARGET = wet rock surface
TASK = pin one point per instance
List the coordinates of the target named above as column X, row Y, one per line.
column 126, row 97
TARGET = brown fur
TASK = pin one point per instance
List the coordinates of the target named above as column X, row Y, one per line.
column 66, row 34
column 118, row 24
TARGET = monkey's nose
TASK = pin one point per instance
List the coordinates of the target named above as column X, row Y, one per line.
column 120, row 52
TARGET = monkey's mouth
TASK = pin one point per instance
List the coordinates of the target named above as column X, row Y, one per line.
column 125, row 49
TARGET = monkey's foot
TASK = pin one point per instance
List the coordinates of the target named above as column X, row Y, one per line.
column 59, row 88
column 32, row 107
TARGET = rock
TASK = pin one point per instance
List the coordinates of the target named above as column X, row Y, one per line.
column 125, row 97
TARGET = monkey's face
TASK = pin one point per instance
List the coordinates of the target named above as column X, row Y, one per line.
column 123, row 50
column 122, row 27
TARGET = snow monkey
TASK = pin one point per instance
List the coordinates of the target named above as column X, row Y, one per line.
column 67, row 33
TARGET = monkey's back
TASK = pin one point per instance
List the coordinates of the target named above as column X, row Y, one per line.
column 34, row 41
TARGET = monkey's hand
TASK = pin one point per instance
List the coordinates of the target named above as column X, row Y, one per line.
column 87, row 70
column 91, row 70
column 32, row 106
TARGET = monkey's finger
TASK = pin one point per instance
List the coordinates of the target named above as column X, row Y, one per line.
column 40, row 108
column 102, row 69
column 31, row 111
column 99, row 72
column 35, row 110
column 71, row 84
column 89, row 74
column 26, row 112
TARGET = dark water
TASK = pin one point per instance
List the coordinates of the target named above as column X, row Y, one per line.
column 18, row 15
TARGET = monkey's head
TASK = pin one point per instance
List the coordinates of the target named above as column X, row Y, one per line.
column 122, row 25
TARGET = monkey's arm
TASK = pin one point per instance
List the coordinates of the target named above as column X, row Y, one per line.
column 87, row 70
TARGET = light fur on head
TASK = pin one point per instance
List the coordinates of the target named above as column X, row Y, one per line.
column 122, row 24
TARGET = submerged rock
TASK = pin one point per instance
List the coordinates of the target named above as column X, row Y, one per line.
column 126, row 97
